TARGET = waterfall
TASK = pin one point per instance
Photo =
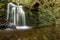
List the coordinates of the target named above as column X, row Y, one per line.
column 10, row 13
column 16, row 16
column 21, row 13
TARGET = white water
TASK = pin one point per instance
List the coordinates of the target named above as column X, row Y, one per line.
column 11, row 10
column 16, row 16
column 22, row 13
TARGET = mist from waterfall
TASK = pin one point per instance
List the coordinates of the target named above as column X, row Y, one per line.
column 16, row 16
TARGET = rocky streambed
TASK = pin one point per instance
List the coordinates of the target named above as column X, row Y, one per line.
column 45, row 33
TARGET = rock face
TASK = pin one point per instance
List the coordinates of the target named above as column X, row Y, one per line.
column 3, row 23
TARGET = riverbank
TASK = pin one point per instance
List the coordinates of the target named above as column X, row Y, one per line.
column 45, row 33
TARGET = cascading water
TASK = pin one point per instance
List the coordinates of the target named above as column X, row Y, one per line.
column 11, row 10
column 20, row 14
column 16, row 16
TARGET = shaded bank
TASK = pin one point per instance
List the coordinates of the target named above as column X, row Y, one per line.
column 45, row 33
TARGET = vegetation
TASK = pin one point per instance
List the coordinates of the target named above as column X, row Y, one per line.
column 48, row 11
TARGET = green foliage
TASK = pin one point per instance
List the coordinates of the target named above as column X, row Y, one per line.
column 3, row 7
column 46, row 17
